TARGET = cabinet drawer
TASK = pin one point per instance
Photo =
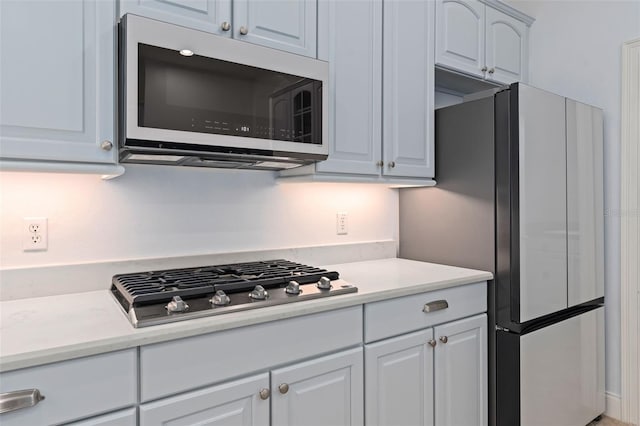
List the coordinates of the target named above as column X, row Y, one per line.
column 211, row 358
column 404, row 314
column 74, row 389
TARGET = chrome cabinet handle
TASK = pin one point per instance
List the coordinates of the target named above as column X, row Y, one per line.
column 432, row 343
column 436, row 305
column 17, row 400
column 106, row 145
column 225, row 26
column 380, row 163
column 283, row 388
column 265, row 393
column 444, row 339
column 492, row 70
column 392, row 164
column 484, row 69
column 244, row 30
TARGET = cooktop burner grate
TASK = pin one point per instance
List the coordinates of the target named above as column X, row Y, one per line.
column 161, row 286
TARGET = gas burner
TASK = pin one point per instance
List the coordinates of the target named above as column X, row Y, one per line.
column 157, row 297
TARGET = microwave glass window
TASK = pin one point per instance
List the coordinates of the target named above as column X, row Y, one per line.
column 205, row 95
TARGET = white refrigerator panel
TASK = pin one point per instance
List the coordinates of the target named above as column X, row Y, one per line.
column 562, row 372
column 585, row 210
column 542, row 203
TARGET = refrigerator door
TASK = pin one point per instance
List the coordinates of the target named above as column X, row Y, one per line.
column 585, row 211
column 562, row 372
column 542, row 195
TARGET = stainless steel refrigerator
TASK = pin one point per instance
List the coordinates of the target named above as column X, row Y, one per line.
column 520, row 193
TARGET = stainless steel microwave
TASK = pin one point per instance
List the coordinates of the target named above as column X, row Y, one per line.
column 192, row 98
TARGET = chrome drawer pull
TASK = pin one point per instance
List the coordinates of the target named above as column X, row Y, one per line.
column 436, row 305
column 17, row 400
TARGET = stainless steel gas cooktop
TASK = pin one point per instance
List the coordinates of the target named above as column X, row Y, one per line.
column 158, row 297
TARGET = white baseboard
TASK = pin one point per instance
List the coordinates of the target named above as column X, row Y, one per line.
column 612, row 404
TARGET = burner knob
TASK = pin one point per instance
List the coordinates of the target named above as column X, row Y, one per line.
column 324, row 283
column 220, row 299
column 177, row 305
column 292, row 288
column 259, row 293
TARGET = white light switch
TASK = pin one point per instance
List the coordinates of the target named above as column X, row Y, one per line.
column 341, row 223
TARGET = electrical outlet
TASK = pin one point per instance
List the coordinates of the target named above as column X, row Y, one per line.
column 34, row 233
column 341, row 223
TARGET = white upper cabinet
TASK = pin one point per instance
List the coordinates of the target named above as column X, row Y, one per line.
column 282, row 24
column 355, row 84
column 506, row 47
column 350, row 38
column 460, row 35
column 58, row 76
column 285, row 25
column 482, row 41
column 408, row 89
column 213, row 16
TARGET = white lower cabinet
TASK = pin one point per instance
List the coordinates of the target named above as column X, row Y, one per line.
column 75, row 389
column 399, row 380
column 435, row 376
column 461, row 372
column 241, row 402
column 323, row 391
column 296, row 395
column 119, row 418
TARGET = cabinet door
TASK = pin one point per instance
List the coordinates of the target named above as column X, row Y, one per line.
column 58, row 74
column 204, row 15
column 281, row 24
column 350, row 39
column 236, row 403
column 399, row 381
column 119, row 418
column 323, row 391
column 460, row 33
column 506, row 47
column 408, row 89
column 461, row 372
column 585, row 225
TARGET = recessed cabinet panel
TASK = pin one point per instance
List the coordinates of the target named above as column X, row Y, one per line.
column 460, row 34
column 285, row 25
column 350, row 39
column 205, row 15
column 408, row 89
column 399, row 380
column 461, row 372
column 585, row 234
column 58, row 75
column 27, row 78
column 323, row 391
column 236, row 403
column 506, row 47
column 542, row 203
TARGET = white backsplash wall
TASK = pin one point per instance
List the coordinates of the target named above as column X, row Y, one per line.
column 157, row 211
column 575, row 51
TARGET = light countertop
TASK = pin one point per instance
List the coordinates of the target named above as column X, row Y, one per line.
column 42, row 330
